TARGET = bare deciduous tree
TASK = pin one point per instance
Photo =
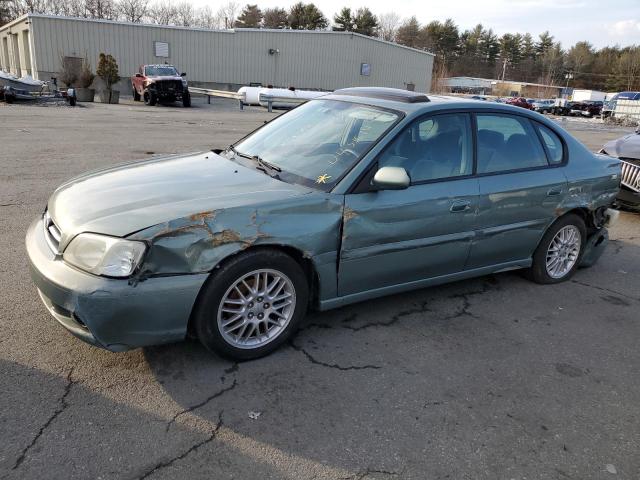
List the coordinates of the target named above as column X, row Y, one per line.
column 185, row 14
column 101, row 9
column 206, row 18
column 133, row 10
column 163, row 13
column 388, row 24
column 227, row 15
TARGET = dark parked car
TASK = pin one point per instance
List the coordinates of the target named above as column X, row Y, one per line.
column 520, row 102
column 361, row 193
column 160, row 84
column 627, row 149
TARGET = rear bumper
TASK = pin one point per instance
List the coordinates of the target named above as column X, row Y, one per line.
column 111, row 313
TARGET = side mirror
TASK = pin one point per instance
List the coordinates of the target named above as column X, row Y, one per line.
column 138, row 75
column 183, row 74
column 391, row 178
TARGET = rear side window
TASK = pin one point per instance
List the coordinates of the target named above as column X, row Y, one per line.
column 553, row 144
column 507, row 142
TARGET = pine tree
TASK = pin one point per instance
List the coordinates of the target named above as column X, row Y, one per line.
column 409, row 33
column 275, row 18
column 365, row 22
column 344, row 21
column 251, row 17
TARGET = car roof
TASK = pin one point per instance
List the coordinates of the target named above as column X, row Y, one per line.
column 434, row 103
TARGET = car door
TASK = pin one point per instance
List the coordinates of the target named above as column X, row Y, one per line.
column 394, row 237
column 521, row 183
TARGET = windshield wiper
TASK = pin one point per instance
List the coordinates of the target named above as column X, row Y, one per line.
column 262, row 164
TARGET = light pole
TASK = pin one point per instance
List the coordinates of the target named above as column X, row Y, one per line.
column 568, row 76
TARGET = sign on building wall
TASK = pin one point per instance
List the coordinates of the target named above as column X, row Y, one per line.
column 365, row 69
column 161, row 49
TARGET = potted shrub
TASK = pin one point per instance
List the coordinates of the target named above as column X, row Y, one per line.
column 84, row 93
column 108, row 72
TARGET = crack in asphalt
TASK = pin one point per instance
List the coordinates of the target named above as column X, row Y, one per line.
column 394, row 319
column 369, row 471
column 603, row 289
column 466, row 305
column 218, row 394
column 298, row 348
column 61, row 408
column 193, row 448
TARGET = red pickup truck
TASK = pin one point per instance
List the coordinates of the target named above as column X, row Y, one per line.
column 160, row 84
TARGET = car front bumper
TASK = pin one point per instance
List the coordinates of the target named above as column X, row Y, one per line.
column 111, row 313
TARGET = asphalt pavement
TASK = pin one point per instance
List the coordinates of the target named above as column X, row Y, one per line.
column 492, row 378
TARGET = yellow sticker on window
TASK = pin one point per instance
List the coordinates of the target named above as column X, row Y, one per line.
column 323, row 178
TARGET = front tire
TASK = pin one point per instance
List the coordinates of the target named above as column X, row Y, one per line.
column 251, row 305
column 559, row 253
column 186, row 100
column 136, row 95
column 150, row 99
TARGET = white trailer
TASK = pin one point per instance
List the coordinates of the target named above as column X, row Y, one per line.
column 586, row 95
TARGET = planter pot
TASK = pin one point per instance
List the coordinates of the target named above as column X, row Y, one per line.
column 106, row 96
column 85, row 94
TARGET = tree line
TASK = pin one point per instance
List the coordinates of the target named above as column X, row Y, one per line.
column 476, row 52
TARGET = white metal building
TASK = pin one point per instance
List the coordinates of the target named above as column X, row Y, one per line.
column 34, row 44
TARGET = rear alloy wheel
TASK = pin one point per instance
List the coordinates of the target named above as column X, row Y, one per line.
column 558, row 255
column 252, row 305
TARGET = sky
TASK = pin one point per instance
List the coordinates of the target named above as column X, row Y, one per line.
column 602, row 23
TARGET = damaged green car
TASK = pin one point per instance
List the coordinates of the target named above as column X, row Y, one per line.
column 361, row 193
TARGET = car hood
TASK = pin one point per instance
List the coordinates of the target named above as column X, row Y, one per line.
column 625, row 147
column 130, row 197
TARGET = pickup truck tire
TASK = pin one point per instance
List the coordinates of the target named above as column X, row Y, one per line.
column 136, row 95
column 186, row 100
column 150, row 99
column 568, row 234
column 252, row 274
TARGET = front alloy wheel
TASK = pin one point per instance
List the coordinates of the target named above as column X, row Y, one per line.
column 256, row 308
column 251, row 304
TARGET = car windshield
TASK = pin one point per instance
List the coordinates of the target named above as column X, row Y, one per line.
column 317, row 143
column 160, row 71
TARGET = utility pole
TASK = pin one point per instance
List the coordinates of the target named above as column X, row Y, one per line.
column 504, row 68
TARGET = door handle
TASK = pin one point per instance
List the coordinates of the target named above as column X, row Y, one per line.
column 554, row 192
column 460, row 206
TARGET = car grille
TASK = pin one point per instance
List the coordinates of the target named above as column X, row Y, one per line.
column 630, row 175
column 51, row 233
column 169, row 86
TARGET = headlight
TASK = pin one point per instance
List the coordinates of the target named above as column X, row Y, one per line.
column 102, row 255
column 184, row 82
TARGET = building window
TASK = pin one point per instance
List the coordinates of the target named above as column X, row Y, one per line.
column 365, row 69
column 161, row 49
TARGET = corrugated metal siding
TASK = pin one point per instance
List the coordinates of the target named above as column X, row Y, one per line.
column 305, row 59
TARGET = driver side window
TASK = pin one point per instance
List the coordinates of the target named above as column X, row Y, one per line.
column 433, row 148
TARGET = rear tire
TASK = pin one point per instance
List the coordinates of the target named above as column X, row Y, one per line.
column 559, row 253
column 236, row 319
